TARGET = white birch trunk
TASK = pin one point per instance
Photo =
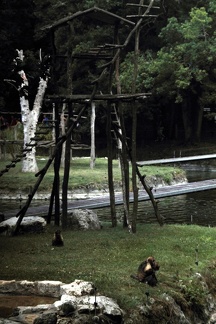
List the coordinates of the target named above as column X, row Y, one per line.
column 30, row 120
column 92, row 160
column 30, row 117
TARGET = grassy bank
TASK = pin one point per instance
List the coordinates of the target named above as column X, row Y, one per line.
column 108, row 257
column 81, row 176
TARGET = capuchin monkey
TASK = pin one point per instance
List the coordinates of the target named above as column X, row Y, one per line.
column 57, row 239
column 146, row 271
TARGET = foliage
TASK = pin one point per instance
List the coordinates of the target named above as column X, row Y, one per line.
column 106, row 4
column 181, row 74
column 14, row 134
column 17, row 29
column 9, row 133
column 184, row 64
column 179, row 65
column 108, row 257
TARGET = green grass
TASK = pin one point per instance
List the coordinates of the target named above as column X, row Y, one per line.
column 108, row 257
column 81, row 176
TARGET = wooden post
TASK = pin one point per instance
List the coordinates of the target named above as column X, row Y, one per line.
column 110, row 168
column 92, row 154
column 55, row 189
column 57, row 164
column 122, row 152
column 124, row 168
column 67, row 162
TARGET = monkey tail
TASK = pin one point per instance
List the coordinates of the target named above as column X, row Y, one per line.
column 134, row 277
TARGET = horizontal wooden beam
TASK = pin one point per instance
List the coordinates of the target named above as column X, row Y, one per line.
column 141, row 6
column 177, row 160
column 101, row 97
column 141, row 16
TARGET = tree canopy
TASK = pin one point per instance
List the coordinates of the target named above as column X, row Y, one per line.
column 176, row 61
column 182, row 71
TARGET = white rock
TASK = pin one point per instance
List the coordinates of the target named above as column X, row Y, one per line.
column 106, row 304
column 28, row 224
column 75, row 298
column 12, row 287
column 77, row 288
column 83, row 219
column 177, row 313
column 32, row 309
column 65, row 299
column 212, row 319
column 49, row 288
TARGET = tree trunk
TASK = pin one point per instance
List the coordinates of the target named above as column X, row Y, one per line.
column 186, row 117
column 30, row 117
column 198, row 123
column 30, row 120
column 192, row 115
column 92, row 154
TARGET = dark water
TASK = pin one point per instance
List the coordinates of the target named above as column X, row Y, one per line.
column 195, row 208
column 199, row 208
column 9, row 302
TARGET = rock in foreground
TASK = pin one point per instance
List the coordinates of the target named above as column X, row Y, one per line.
column 79, row 303
column 30, row 224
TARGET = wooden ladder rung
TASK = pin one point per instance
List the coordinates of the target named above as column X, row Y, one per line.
column 21, row 156
column 12, row 165
column 41, row 133
column 36, row 139
column 46, row 127
column 27, row 150
column 16, row 160
column 4, row 171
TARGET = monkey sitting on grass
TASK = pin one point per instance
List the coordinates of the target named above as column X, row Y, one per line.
column 57, row 239
column 146, row 271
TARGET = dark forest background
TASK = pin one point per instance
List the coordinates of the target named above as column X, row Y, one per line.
column 177, row 63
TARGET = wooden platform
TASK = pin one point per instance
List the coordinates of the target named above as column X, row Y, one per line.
column 177, row 160
column 103, row 200
column 162, row 192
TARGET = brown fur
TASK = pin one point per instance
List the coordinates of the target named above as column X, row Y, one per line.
column 146, row 271
column 57, row 239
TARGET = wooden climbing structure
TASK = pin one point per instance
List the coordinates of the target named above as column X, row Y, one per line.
column 98, row 88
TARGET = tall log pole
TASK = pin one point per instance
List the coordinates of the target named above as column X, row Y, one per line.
column 134, row 127
column 67, row 163
column 110, row 167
